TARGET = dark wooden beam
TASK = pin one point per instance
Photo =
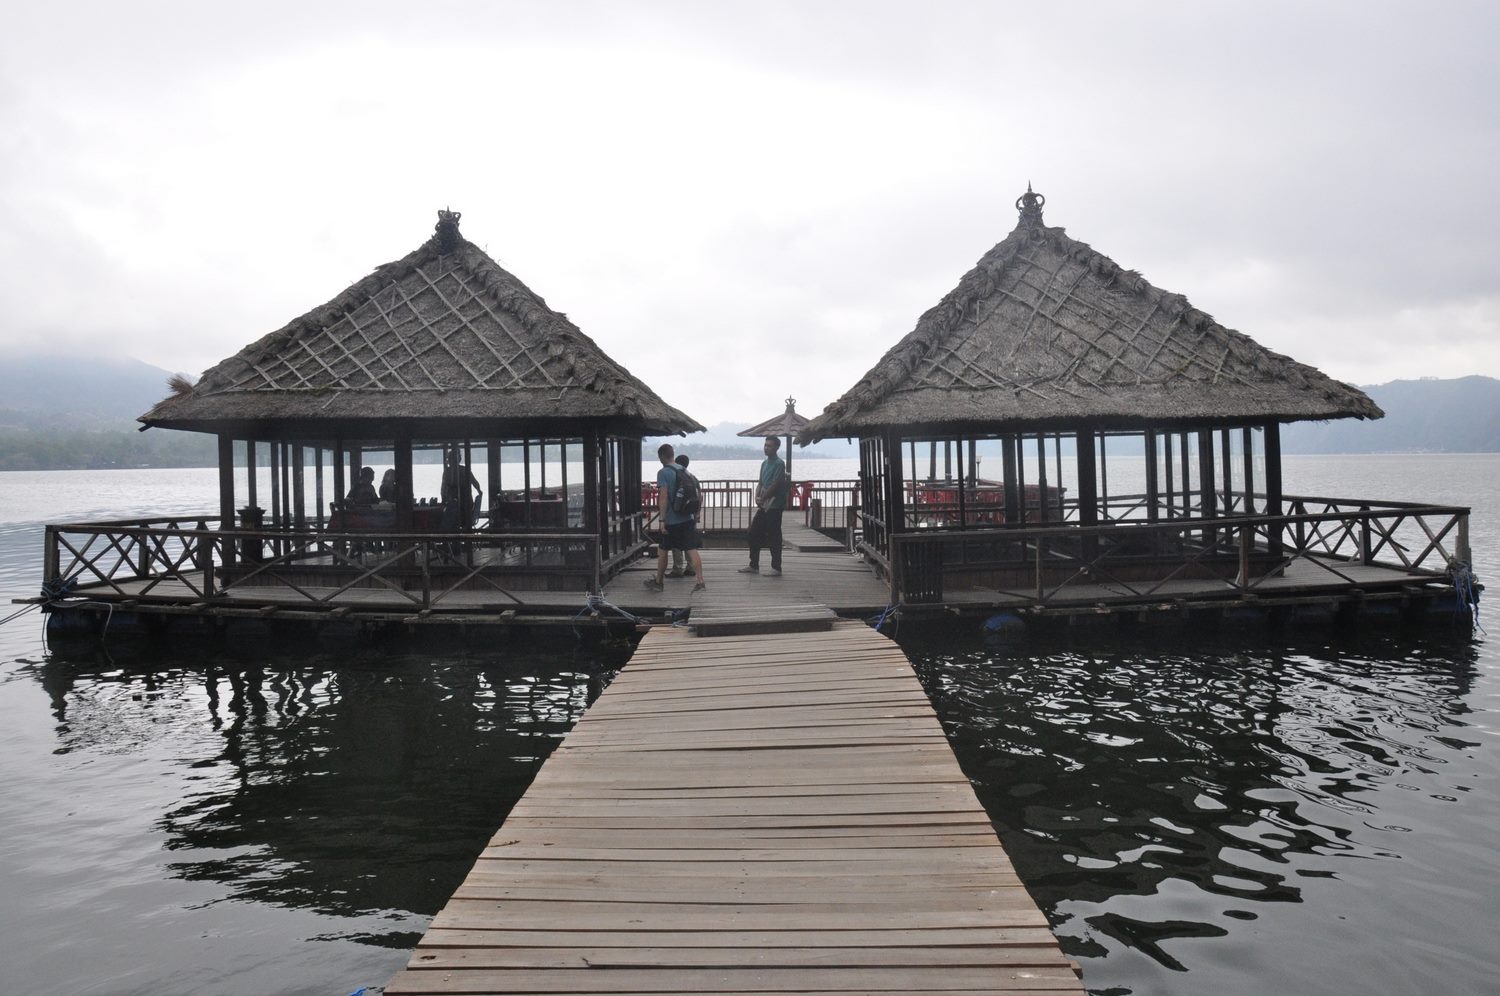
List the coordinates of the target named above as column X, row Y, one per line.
column 1153, row 488
column 1273, row 483
column 1011, row 470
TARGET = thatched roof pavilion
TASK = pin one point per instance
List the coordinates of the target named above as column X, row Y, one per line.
column 442, row 349
column 444, row 334
column 1045, row 331
column 1048, row 346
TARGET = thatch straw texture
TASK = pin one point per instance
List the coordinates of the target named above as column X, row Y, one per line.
column 443, row 334
column 1045, row 332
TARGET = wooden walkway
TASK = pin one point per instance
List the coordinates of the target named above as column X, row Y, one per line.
column 767, row 814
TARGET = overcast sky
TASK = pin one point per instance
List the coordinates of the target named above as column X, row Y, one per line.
column 742, row 201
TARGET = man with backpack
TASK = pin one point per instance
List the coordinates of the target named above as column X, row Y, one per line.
column 679, row 557
column 677, row 501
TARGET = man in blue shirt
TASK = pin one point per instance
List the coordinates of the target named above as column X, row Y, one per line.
column 770, row 502
column 679, row 529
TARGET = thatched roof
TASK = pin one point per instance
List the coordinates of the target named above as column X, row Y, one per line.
column 442, row 335
column 1047, row 333
column 788, row 423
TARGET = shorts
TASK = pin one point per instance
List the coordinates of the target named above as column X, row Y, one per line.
column 682, row 536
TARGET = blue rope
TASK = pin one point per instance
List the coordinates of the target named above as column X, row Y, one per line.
column 879, row 621
column 1467, row 589
column 594, row 605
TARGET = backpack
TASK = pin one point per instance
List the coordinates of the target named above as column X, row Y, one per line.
column 686, row 498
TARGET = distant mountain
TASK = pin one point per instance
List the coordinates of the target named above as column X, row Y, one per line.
column 722, row 441
column 76, row 412
column 53, row 392
column 70, row 413
column 1421, row 416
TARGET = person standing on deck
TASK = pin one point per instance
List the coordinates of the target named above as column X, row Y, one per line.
column 679, row 531
column 679, row 557
column 770, row 502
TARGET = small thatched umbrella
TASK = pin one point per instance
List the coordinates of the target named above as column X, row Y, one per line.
column 787, row 424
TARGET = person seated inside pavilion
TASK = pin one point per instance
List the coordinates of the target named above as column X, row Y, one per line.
column 388, row 489
column 363, row 492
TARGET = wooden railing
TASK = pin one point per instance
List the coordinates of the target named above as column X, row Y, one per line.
column 730, row 504
column 191, row 558
column 1139, row 557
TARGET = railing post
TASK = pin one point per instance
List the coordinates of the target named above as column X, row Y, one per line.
column 51, row 558
column 1041, row 542
column 895, row 565
column 1364, row 534
column 1461, row 549
column 426, row 575
column 1246, row 539
column 143, row 553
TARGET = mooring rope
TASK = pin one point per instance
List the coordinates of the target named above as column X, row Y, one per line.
column 891, row 612
column 1467, row 589
column 594, row 605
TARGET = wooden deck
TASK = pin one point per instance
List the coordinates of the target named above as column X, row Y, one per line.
column 767, row 814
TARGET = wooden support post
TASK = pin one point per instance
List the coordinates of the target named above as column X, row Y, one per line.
column 1088, row 492
column 1187, row 477
column 226, row 497
column 405, row 484
column 1041, row 588
column 492, row 473
column 299, row 496
column 1171, row 490
column 1153, row 514
column 1246, row 534
column 895, row 518
column 51, row 559
column 1206, row 494
column 1103, row 477
column 1273, row 485
column 275, row 483
column 1248, row 456
column 1041, row 476
column 1014, row 488
column 526, row 482
column 250, row 475
column 318, row 505
column 339, row 488
column 963, row 484
column 595, row 514
column 1226, row 462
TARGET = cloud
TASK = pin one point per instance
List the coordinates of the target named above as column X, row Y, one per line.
column 742, row 202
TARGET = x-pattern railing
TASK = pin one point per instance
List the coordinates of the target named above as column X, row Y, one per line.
column 138, row 558
column 1330, row 534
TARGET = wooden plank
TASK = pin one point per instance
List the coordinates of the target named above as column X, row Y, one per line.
column 647, row 954
column 726, row 980
column 688, row 940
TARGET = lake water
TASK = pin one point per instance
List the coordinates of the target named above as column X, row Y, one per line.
column 1196, row 812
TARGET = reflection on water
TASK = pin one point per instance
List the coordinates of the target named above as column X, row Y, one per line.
column 355, row 787
column 1155, row 793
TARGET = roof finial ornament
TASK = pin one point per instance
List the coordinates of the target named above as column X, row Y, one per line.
column 447, row 230
column 1030, row 206
column 791, row 403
